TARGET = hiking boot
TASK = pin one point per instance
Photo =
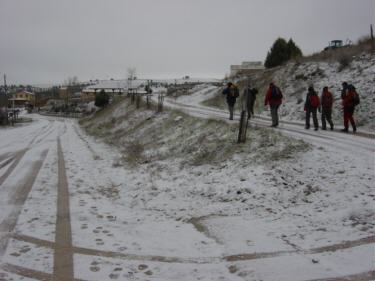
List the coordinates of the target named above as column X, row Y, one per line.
column 344, row 130
column 307, row 127
column 316, row 129
column 324, row 128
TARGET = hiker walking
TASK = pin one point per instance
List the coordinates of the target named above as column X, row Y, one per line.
column 344, row 89
column 250, row 95
column 327, row 102
column 349, row 102
column 312, row 104
column 232, row 93
column 273, row 98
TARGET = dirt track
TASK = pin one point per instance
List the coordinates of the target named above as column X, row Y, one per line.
column 64, row 250
column 63, row 258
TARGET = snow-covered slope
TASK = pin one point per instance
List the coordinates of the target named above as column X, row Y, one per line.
column 294, row 78
column 273, row 200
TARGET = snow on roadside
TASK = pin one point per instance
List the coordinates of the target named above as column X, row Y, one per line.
column 109, row 269
column 172, row 187
column 309, row 184
column 294, row 79
column 114, row 224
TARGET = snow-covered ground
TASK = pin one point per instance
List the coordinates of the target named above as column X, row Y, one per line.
column 294, row 78
column 287, row 205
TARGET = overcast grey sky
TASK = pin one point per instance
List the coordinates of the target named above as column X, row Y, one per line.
column 45, row 41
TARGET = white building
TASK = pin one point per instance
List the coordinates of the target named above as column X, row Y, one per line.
column 246, row 67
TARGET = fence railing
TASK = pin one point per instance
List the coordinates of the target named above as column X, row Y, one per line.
column 62, row 114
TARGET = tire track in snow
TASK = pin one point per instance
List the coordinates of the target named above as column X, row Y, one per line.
column 31, row 273
column 365, row 276
column 5, row 156
column 18, row 199
column 16, row 159
column 6, row 162
column 63, row 256
column 18, row 155
column 232, row 258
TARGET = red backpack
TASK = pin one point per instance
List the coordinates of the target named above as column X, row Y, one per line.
column 314, row 101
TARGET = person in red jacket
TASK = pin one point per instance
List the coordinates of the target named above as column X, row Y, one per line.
column 312, row 104
column 327, row 102
column 349, row 106
column 273, row 99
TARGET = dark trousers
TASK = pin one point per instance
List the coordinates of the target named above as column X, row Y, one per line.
column 312, row 111
column 274, row 115
column 231, row 111
column 326, row 116
column 348, row 116
column 250, row 108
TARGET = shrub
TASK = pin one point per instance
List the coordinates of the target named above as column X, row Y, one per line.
column 344, row 61
column 301, row 77
column 282, row 51
column 101, row 99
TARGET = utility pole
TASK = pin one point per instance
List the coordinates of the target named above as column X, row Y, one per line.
column 5, row 84
column 372, row 39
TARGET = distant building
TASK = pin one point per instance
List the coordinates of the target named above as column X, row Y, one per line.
column 88, row 95
column 64, row 93
column 247, row 67
column 109, row 86
column 70, row 93
column 22, row 98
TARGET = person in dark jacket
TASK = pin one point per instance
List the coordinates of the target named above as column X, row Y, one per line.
column 327, row 102
column 312, row 104
column 250, row 95
column 231, row 92
column 273, row 98
column 349, row 107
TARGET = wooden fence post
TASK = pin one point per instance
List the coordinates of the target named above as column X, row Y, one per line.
column 160, row 102
column 148, row 101
column 242, row 128
column 138, row 100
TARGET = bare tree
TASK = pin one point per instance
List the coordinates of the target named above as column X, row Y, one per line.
column 72, row 86
column 71, row 81
column 132, row 71
column 131, row 76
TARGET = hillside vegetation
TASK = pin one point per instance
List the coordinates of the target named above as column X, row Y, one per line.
column 355, row 64
column 144, row 136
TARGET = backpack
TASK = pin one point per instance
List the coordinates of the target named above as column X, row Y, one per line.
column 236, row 92
column 327, row 99
column 356, row 99
column 276, row 93
column 314, row 101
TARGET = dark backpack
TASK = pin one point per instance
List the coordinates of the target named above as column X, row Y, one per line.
column 356, row 99
column 314, row 101
column 276, row 93
column 236, row 92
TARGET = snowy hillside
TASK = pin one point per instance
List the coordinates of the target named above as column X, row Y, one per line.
column 294, row 79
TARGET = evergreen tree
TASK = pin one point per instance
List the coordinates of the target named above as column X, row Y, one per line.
column 293, row 49
column 101, row 99
column 281, row 51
